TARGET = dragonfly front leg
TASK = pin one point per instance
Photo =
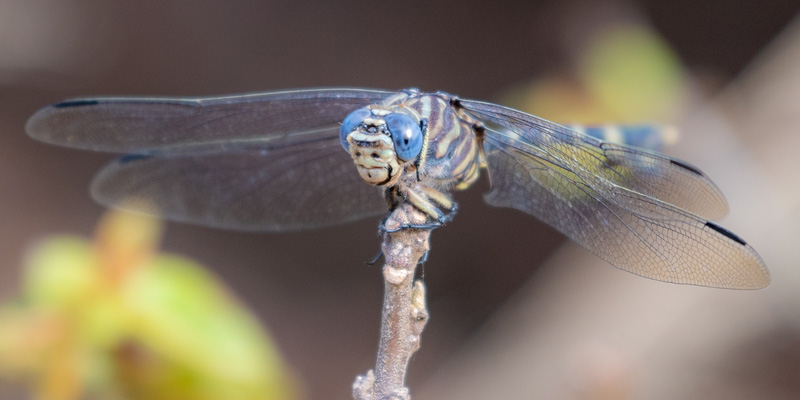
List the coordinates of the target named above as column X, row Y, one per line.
column 426, row 199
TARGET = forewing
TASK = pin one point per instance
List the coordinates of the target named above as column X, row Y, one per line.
column 551, row 174
column 653, row 174
column 261, row 187
column 133, row 125
column 266, row 161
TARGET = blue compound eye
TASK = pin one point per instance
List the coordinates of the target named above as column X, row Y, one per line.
column 406, row 135
column 350, row 123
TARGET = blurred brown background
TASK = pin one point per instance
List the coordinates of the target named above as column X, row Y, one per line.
column 312, row 289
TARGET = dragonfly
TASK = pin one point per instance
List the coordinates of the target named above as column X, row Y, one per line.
column 299, row 159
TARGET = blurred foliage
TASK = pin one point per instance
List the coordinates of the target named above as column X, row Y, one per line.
column 625, row 74
column 114, row 319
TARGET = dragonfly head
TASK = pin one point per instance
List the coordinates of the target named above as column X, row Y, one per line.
column 380, row 141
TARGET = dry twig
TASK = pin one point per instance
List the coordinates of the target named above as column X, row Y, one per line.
column 404, row 310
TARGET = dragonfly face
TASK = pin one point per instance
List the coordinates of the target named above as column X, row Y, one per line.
column 379, row 140
column 273, row 161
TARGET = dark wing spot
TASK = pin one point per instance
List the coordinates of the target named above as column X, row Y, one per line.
column 686, row 166
column 75, row 103
column 127, row 158
column 726, row 233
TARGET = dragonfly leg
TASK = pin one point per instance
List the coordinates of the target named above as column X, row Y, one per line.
column 427, row 200
column 444, row 202
column 438, row 197
column 375, row 259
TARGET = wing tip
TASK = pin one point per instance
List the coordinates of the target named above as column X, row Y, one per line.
column 758, row 279
column 37, row 125
column 760, row 284
column 34, row 127
column 757, row 275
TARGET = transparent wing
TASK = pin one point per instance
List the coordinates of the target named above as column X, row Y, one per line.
column 667, row 179
column 638, row 210
column 269, row 161
column 259, row 188
column 138, row 124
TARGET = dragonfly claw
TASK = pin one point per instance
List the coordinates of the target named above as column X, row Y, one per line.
column 430, row 225
column 450, row 215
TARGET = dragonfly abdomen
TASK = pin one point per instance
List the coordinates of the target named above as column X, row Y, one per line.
column 648, row 136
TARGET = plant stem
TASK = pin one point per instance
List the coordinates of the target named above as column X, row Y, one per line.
column 404, row 310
